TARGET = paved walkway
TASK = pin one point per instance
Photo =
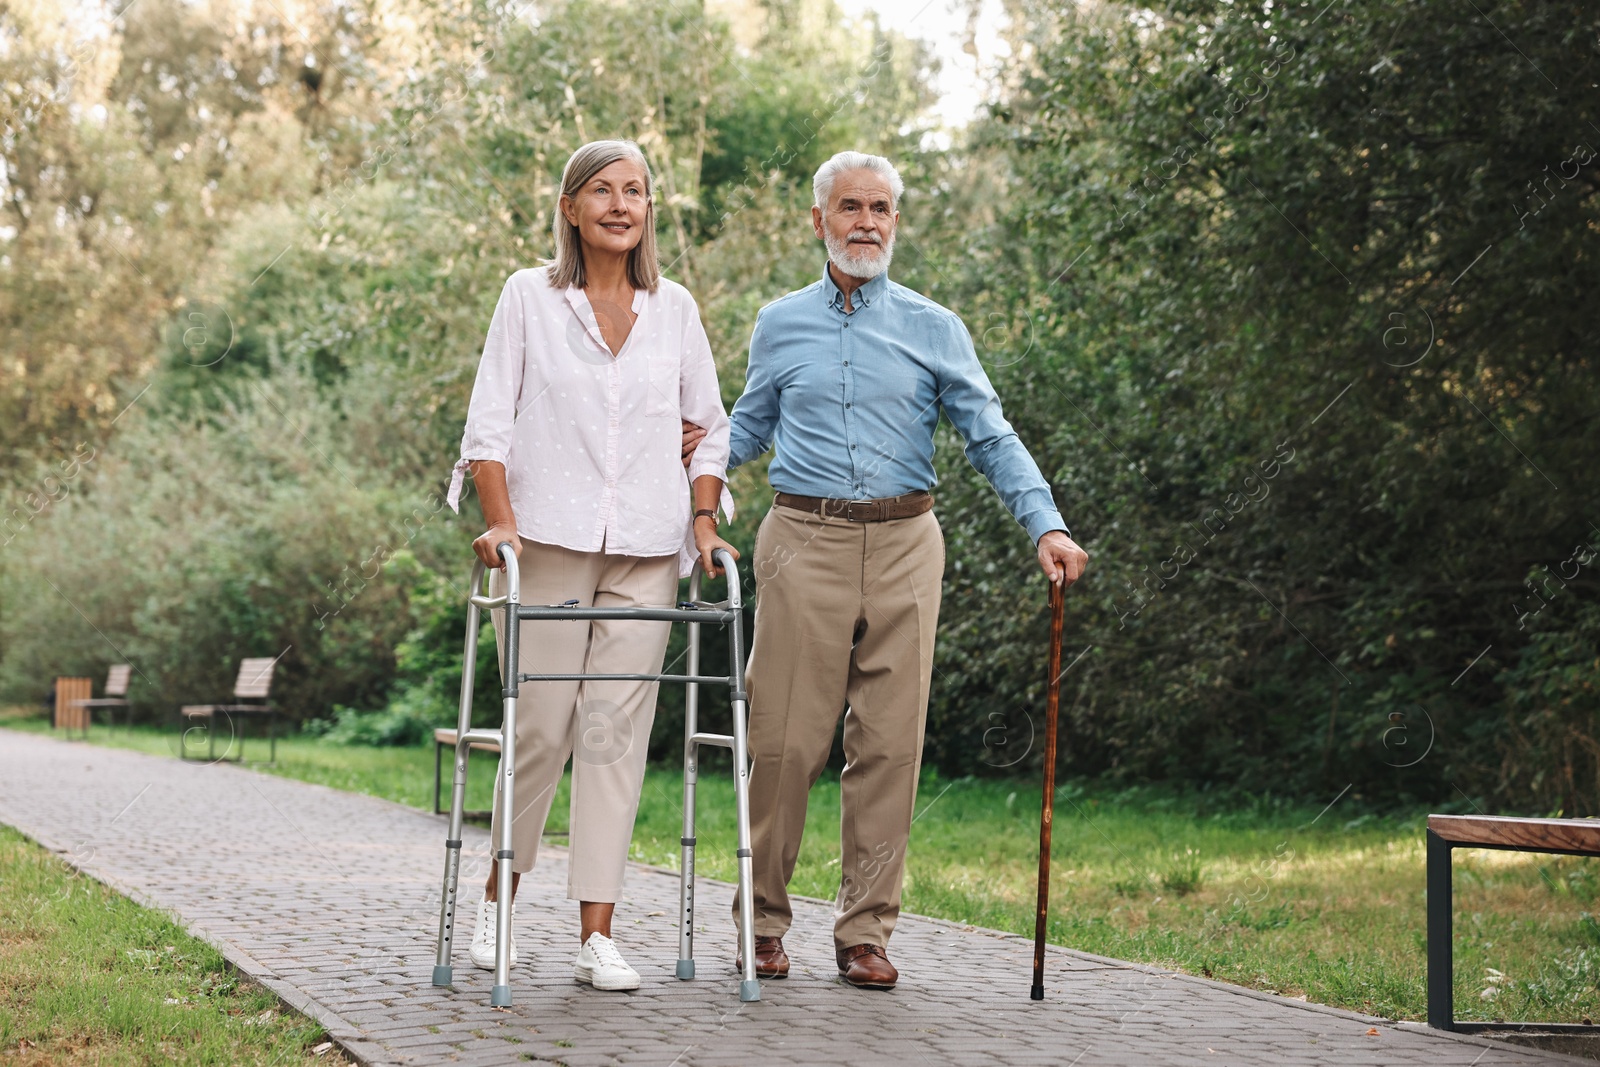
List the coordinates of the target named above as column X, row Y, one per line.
column 329, row 898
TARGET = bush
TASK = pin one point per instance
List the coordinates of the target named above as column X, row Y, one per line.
column 195, row 543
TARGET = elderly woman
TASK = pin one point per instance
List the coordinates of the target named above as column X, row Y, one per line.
column 573, row 440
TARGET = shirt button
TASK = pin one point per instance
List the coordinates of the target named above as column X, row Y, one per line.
column 847, row 405
column 852, row 448
column 847, row 325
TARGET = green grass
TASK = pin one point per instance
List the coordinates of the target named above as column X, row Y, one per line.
column 1265, row 893
column 89, row 977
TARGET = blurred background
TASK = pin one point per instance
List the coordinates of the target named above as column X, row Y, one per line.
column 1288, row 300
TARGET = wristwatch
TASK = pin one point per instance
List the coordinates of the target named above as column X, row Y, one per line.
column 716, row 524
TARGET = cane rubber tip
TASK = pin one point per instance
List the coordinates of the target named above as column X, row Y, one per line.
column 749, row 991
column 500, row 997
column 1036, row 993
column 686, row 969
column 441, row 975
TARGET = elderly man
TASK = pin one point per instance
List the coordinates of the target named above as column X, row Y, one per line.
column 846, row 379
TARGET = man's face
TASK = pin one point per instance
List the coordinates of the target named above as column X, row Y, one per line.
column 858, row 225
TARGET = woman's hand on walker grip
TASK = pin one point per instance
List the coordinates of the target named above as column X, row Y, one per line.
column 706, row 542
column 1061, row 559
column 487, row 546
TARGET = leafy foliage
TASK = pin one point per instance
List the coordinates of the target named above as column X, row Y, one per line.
column 1306, row 371
column 1290, row 302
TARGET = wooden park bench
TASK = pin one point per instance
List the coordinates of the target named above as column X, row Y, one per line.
column 254, row 683
column 69, row 712
column 116, row 697
column 1565, row 837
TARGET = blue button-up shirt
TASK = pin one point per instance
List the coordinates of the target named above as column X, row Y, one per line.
column 850, row 401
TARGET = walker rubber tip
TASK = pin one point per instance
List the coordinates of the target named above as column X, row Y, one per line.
column 500, row 997
column 1036, row 993
column 686, row 969
column 749, row 991
column 441, row 975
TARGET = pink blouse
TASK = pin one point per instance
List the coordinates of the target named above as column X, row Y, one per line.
column 591, row 441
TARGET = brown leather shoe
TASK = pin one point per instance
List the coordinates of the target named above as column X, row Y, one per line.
column 771, row 960
column 867, row 967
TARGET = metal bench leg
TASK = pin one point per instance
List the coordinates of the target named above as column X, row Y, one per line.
column 1441, row 963
column 691, row 774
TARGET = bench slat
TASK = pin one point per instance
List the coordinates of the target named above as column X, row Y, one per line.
column 255, row 678
column 70, row 695
column 230, row 709
column 117, row 680
column 1565, row 835
column 448, row 737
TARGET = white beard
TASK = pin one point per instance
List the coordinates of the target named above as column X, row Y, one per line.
column 863, row 265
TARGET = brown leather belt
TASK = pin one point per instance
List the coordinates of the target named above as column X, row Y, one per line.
column 880, row 510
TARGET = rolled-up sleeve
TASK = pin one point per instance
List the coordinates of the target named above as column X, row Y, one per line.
column 992, row 446
column 492, row 412
column 755, row 413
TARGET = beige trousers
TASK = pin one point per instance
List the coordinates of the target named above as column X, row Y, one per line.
column 845, row 615
column 606, row 725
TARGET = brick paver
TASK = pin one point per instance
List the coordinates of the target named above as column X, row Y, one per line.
column 330, row 899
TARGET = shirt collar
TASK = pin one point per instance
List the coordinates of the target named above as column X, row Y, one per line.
column 579, row 302
column 865, row 296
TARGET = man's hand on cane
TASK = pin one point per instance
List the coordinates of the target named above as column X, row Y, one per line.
column 1061, row 559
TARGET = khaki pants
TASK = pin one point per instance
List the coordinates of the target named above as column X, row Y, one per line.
column 607, row 724
column 845, row 614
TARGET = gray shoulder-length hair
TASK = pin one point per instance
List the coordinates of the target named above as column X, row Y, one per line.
column 566, row 268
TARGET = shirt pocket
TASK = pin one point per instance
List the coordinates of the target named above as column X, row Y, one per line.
column 661, row 391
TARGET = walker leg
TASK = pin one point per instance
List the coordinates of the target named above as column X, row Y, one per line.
column 511, row 667
column 449, row 898
column 442, row 973
column 447, row 909
column 749, row 987
column 691, row 770
column 500, row 997
column 686, row 871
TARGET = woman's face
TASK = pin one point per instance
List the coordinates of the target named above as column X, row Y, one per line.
column 609, row 210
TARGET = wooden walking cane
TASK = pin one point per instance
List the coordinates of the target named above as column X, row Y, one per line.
column 1052, row 709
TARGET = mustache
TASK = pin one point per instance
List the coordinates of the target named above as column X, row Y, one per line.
column 864, row 235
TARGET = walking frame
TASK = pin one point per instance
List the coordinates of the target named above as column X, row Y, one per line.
column 693, row 612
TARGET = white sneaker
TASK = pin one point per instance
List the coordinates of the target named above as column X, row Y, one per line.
column 602, row 966
column 482, row 951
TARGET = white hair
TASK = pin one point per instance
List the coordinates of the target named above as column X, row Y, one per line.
column 822, row 183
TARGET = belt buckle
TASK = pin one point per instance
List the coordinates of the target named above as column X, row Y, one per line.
column 850, row 506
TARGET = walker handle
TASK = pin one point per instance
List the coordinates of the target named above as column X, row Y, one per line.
column 724, row 559
column 508, row 556
column 505, row 552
